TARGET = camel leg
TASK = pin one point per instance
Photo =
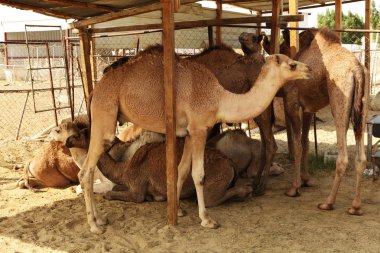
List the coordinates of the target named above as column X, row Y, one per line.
column 183, row 171
column 198, row 143
column 305, row 177
column 360, row 163
column 289, row 133
column 241, row 192
column 268, row 151
column 129, row 196
column 102, row 134
column 293, row 112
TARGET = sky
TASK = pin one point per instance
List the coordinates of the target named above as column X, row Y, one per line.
column 14, row 19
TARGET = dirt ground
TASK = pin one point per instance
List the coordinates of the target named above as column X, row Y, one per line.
column 54, row 221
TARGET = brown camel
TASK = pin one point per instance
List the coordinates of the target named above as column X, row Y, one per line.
column 134, row 92
column 339, row 80
column 143, row 176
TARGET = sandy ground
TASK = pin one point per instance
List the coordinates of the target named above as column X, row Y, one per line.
column 54, row 221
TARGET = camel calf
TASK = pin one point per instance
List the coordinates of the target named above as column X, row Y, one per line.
column 144, row 177
column 53, row 165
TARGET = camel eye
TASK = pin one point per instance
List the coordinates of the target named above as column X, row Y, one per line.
column 293, row 66
column 57, row 131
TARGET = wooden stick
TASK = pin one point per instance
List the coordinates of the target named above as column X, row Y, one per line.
column 219, row 10
column 275, row 30
column 83, row 5
column 338, row 16
column 294, row 38
column 85, row 49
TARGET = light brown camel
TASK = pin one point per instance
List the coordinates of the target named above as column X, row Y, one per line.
column 53, row 165
column 135, row 92
column 143, row 176
column 339, row 80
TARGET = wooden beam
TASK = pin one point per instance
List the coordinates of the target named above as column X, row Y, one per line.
column 367, row 45
column 83, row 5
column 219, row 11
column 122, row 14
column 210, row 36
column 38, row 10
column 338, row 16
column 170, row 117
column 275, row 30
column 294, row 38
column 200, row 23
column 85, row 54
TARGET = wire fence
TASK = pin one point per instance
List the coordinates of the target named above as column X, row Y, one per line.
column 18, row 116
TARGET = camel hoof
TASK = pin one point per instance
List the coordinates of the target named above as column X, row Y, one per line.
column 293, row 192
column 209, row 223
column 102, row 220
column 259, row 190
column 325, row 207
column 307, row 183
column 355, row 211
column 181, row 212
column 97, row 230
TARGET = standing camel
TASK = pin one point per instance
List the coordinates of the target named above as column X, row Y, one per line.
column 135, row 92
column 339, row 80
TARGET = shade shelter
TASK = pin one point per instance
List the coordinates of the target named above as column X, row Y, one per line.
column 89, row 13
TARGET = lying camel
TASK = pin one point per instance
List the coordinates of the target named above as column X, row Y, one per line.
column 53, row 165
column 243, row 151
column 144, row 175
column 126, row 93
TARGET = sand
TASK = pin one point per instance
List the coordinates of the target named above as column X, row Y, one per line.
column 54, row 220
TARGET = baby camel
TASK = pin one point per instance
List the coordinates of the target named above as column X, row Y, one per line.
column 128, row 93
column 143, row 176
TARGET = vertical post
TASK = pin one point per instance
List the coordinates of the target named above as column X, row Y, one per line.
column 338, row 16
column 259, row 14
column 93, row 60
column 85, row 52
column 169, row 77
column 219, row 10
column 294, row 38
column 367, row 45
column 6, row 50
column 275, row 31
column 210, row 36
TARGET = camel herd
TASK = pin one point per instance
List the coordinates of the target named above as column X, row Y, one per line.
column 213, row 87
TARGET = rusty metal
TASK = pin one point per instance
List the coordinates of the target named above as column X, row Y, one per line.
column 22, row 116
column 52, row 85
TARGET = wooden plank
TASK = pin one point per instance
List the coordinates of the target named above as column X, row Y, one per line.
column 83, row 5
column 85, row 52
column 199, row 23
column 169, row 77
column 210, row 36
column 38, row 10
column 275, row 30
column 218, row 31
column 367, row 45
column 122, row 14
column 338, row 16
column 294, row 38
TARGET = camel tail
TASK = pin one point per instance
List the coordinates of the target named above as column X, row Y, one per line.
column 358, row 102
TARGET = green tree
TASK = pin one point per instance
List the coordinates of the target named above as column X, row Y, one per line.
column 352, row 21
column 375, row 16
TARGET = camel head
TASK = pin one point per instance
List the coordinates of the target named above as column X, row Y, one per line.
column 287, row 68
column 79, row 140
column 63, row 131
column 250, row 43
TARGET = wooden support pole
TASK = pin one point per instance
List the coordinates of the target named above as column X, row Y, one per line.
column 6, row 60
column 169, row 83
column 94, row 68
column 338, row 16
column 275, row 30
column 210, row 36
column 294, row 38
column 85, row 53
column 219, row 10
column 259, row 14
column 367, row 45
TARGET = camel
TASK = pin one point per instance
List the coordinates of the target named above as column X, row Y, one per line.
column 242, row 151
column 53, row 165
column 127, row 93
column 143, row 176
column 344, row 87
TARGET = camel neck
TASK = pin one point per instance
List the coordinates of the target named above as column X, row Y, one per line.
column 112, row 170
column 236, row 108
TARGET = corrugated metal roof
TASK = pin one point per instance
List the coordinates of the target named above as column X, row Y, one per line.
column 84, row 9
